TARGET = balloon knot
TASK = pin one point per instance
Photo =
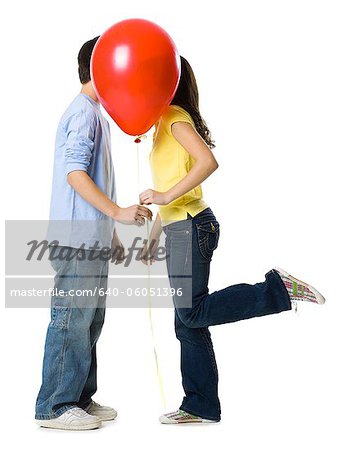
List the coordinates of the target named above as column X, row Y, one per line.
column 139, row 138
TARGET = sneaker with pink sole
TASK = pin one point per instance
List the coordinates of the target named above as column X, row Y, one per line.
column 180, row 416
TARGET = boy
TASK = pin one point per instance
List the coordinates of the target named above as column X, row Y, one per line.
column 83, row 196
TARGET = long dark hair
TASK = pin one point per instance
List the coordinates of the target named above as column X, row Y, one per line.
column 187, row 97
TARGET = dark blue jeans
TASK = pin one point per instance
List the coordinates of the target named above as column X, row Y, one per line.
column 190, row 245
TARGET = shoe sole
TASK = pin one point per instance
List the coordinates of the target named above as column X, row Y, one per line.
column 59, row 426
column 320, row 299
column 167, row 421
column 107, row 419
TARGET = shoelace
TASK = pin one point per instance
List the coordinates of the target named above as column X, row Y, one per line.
column 295, row 305
column 77, row 412
column 179, row 414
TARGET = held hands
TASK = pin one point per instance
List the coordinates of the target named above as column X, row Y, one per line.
column 133, row 214
column 150, row 196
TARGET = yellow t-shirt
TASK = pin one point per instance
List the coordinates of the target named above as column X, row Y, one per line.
column 170, row 163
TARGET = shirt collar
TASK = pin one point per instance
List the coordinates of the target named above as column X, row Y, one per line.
column 93, row 102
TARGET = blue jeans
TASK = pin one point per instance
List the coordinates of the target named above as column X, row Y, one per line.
column 193, row 241
column 69, row 365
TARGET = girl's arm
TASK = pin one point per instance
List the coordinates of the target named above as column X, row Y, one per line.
column 205, row 165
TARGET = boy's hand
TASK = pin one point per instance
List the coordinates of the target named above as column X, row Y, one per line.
column 117, row 249
column 133, row 214
column 150, row 196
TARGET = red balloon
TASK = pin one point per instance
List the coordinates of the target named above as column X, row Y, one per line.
column 135, row 70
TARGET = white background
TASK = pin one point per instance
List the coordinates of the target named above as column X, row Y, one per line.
column 277, row 86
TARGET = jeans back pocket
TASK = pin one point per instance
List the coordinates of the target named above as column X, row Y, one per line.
column 208, row 237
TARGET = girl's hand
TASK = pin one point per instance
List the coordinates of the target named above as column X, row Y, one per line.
column 150, row 196
column 145, row 256
column 150, row 249
column 148, row 253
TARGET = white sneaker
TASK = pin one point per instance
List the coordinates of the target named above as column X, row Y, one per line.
column 103, row 412
column 74, row 419
column 180, row 416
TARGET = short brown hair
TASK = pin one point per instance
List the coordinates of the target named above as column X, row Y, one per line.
column 84, row 57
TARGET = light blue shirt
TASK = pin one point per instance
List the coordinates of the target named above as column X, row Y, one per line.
column 82, row 143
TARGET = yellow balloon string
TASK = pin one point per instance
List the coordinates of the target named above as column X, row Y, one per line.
column 158, row 372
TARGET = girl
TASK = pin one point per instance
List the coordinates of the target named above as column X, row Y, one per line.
column 181, row 159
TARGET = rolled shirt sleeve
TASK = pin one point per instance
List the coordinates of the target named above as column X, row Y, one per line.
column 80, row 141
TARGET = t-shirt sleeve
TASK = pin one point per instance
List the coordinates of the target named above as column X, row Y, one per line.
column 173, row 115
column 80, row 141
